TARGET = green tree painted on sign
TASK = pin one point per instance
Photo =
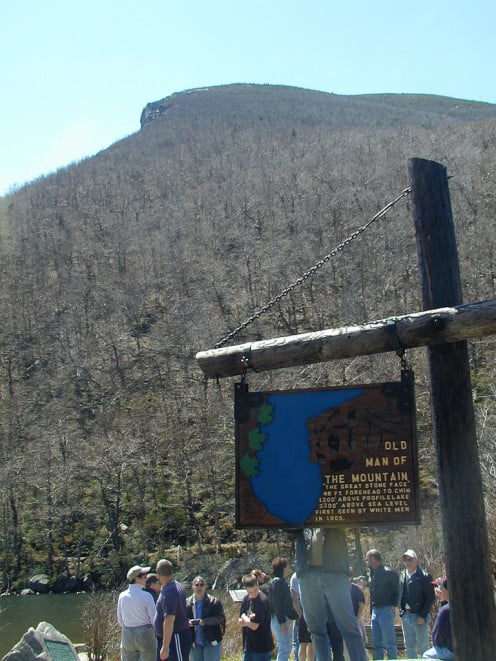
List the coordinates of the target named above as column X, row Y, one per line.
column 265, row 414
column 249, row 465
column 256, row 440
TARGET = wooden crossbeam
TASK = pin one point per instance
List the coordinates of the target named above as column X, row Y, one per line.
column 432, row 327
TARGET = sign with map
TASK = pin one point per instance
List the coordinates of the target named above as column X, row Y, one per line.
column 326, row 457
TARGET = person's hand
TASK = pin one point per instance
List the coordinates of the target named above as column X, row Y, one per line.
column 164, row 653
column 284, row 628
column 244, row 620
column 420, row 620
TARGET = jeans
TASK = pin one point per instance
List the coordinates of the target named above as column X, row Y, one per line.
column 138, row 643
column 296, row 644
column 437, row 652
column 336, row 641
column 330, row 591
column 416, row 635
column 207, row 652
column 383, row 633
column 283, row 639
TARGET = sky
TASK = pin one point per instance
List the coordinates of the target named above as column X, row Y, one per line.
column 76, row 75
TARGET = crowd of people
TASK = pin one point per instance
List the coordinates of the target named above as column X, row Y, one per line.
column 317, row 612
column 412, row 591
column 159, row 622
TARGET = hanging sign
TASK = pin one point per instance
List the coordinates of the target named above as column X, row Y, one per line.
column 326, row 457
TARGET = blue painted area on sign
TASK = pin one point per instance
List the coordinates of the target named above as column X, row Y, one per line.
column 287, row 483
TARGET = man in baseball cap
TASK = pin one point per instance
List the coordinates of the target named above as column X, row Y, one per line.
column 416, row 596
column 135, row 614
column 136, row 571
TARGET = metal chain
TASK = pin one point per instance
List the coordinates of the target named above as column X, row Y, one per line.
column 312, row 270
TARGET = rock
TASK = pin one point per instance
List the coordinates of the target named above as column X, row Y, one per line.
column 26, row 591
column 44, row 643
column 67, row 584
column 40, row 583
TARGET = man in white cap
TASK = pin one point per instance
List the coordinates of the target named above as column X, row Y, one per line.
column 135, row 614
column 416, row 596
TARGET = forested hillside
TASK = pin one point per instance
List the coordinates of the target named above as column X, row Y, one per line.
column 117, row 270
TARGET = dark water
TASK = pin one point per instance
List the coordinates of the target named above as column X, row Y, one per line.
column 63, row 611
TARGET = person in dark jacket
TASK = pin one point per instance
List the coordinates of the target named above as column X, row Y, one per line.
column 263, row 583
column 207, row 621
column 383, row 601
column 441, row 633
column 282, row 608
column 416, row 596
column 153, row 586
column 254, row 620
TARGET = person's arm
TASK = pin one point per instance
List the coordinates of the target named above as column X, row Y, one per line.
column 277, row 598
column 119, row 615
column 296, row 602
column 150, row 607
column 168, row 628
column 429, row 596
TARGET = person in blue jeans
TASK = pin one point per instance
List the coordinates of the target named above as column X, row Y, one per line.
column 416, row 596
column 283, row 611
column 322, row 564
column 384, row 587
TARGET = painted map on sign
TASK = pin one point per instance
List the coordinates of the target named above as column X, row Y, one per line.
column 325, row 457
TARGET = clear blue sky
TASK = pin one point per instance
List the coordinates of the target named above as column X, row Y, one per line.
column 76, row 74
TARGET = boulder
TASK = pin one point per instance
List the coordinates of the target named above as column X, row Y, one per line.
column 67, row 584
column 44, row 643
column 40, row 583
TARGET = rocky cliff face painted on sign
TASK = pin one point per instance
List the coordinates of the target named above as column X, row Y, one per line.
column 341, row 438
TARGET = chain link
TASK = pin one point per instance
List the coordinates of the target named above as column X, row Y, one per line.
column 312, row 270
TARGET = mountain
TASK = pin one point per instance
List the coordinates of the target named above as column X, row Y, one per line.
column 117, row 270
column 244, row 102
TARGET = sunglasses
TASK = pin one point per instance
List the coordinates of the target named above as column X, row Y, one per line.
column 199, row 585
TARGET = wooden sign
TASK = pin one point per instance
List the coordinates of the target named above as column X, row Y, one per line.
column 326, row 457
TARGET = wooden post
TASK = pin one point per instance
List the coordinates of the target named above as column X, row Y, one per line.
column 470, row 582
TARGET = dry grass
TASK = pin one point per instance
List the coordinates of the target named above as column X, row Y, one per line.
column 232, row 647
column 100, row 629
